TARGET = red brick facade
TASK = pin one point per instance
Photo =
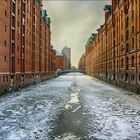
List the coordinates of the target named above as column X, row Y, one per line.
column 4, row 43
column 113, row 54
column 59, row 62
column 53, row 60
column 82, row 62
column 25, row 43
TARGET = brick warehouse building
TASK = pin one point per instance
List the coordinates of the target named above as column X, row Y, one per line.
column 25, row 43
column 4, row 43
column 67, row 57
column 53, row 60
column 82, row 62
column 60, row 64
column 113, row 54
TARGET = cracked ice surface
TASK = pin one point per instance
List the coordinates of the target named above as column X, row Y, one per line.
column 98, row 110
column 112, row 113
column 29, row 114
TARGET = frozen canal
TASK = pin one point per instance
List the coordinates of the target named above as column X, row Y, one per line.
column 70, row 107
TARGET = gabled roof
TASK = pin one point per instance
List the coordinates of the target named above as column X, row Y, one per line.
column 107, row 8
column 93, row 35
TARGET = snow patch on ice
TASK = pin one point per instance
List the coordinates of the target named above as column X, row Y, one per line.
column 67, row 136
column 74, row 99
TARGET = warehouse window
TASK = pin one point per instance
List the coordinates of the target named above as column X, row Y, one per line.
column 5, row 13
column 132, row 29
column 5, row 58
column 17, row 48
column 6, row 78
column 127, row 35
column 18, row 11
column 132, row 9
column 132, row 61
column 117, row 65
column 132, row 13
column 122, row 63
column 127, row 63
column 18, row 23
column 127, row 48
column 18, row 60
column 126, row 77
column 127, row 22
column 132, row 43
column 132, row 77
column 3, row 79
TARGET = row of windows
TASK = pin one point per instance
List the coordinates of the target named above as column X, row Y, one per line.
column 131, row 77
column 4, row 79
column 127, row 62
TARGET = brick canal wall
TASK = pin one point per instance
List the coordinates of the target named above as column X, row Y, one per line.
column 6, row 88
column 125, row 85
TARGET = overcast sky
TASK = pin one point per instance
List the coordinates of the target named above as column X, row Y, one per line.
column 73, row 22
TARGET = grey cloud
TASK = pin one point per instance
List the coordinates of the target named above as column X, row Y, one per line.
column 74, row 21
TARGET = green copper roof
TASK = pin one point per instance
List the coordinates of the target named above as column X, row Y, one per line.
column 39, row 1
column 107, row 8
column 89, row 41
column 43, row 14
column 93, row 35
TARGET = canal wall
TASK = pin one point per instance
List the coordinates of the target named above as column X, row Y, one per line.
column 7, row 88
column 124, row 85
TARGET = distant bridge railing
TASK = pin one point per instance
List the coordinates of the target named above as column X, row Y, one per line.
column 59, row 72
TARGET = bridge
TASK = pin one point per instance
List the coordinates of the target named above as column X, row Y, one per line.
column 59, row 71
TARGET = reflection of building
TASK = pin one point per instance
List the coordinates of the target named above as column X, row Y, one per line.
column 114, row 53
column 67, row 57
column 59, row 61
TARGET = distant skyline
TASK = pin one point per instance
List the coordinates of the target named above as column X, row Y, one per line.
column 72, row 22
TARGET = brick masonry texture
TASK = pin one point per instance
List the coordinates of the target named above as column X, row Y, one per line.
column 113, row 53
